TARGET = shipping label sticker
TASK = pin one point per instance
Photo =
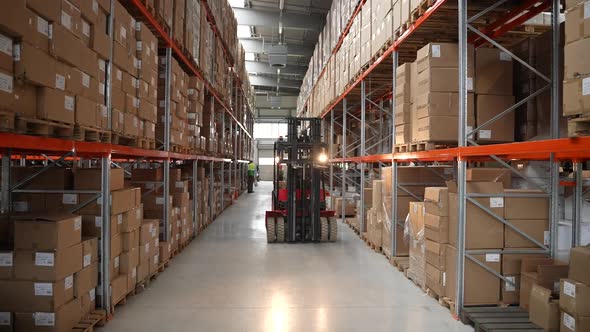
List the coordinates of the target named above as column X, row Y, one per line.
column 86, row 29
column 586, row 86
column 119, row 219
column 43, row 289
column 444, row 279
column 92, row 294
column 505, row 56
column 119, row 75
column 569, row 321
column 44, row 318
column 44, row 259
column 435, row 51
column 69, row 104
column 147, row 248
column 496, row 202
column 569, row 289
column 101, row 65
column 6, row 45
column 469, row 83
column 103, row 108
column 69, row 282
column 116, row 262
column 42, row 26
column 78, row 224
column 485, row 134
column 95, row 6
column 5, row 319
column 98, row 221
column 492, row 258
column 20, row 206
column 6, row 83
column 156, row 259
column 510, row 287
column 101, row 88
column 587, row 9
column 60, row 82
column 86, row 80
column 134, row 272
column 123, row 33
column 66, row 20
column 16, row 53
column 6, row 259
column 546, row 238
column 70, row 199
column 87, row 260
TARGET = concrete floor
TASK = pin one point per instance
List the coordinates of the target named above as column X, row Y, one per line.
column 230, row 279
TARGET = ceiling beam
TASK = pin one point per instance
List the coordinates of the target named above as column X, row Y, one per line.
column 270, row 18
column 272, row 82
column 265, row 68
column 257, row 46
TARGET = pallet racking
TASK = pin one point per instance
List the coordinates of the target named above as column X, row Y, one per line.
column 370, row 94
column 235, row 115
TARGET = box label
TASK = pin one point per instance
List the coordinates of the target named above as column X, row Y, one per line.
column 69, row 199
column 546, row 238
column 510, row 287
column 138, row 213
column 66, row 20
column 4, row 318
column 69, row 282
column 569, row 321
column 123, row 32
column 78, row 224
column 138, row 46
column 6, row 45
column 87, row 260
column 119, row 219
column 85, row 29
column 586, row 9
column 569, row 289
column 98, row 221
column 147, row 248
column 69, row 104
column 496, row 202
column 134, row 272
column 60, row 82
column 116, row 262
column 95, row 6
column 485, row 134
column 6, row 84
column 6, row 259
column 44, row 318
column 101, row 65
column 42, row 26
column 469, row 83
column 586, row 86
column 556, row 287
column 156, row 258
column 92, row 294
column 43, row 289
column 44, row 259
column 505, row 56
column 436, row 51
column 492, row 257
column 101, row 88
column 86, row 80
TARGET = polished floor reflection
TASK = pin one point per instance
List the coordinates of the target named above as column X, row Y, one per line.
column 229, row 279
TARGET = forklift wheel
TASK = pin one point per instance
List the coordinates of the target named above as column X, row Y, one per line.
column 325, row 230
column 271, row 235
column 333, row 229
column 280, row 229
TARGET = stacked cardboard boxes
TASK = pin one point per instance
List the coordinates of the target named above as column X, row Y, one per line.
column 147, row 80
column 414, row 229
column 436, row 234
column 179, row 104
column 404, row 98
column 576, row 94
column 574, row 300
column 196, row 99
column 50, row 277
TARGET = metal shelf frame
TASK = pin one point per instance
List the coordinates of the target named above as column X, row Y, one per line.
column 554, row 150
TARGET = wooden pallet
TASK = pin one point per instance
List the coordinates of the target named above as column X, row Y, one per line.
column 578, row 125
column 427, row 146
column 7, row 121
column 145, row 283
column 496, row 319
column 136, row 142
column 402, row 263
column 370, row 244
column 88, row 134
column 123, row 300
column 414, row 280
column 45, row 128
column 96, row 318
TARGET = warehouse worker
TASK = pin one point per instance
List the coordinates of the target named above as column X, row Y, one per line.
column 251, row 176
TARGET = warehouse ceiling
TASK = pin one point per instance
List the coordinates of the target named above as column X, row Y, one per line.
column 294, row 25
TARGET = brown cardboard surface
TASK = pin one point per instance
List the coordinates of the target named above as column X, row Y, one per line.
column 544, row 311
column 435, row 279
column 577, row 24
column 56, row 105
column 572, row 323
column 436, row 201
column 48, row 266
column 132, row 219
column 435, row 254
column 441, row 55
column 481, row 287
column 416, row 219
column 49, row 232
column 574, row 297
column 487, row 174
column 118, row 288
column 35, row 296
column 544, row 275
column 90, row 179
column 85, row 280
column 64, row 319
column 434, row 79
column 130, row 240
column 165, row 250
column 52, row 178
column 493, row 72
column 511, row 264
column 129, row 260
column 436, row 129
column 536, row 228
column 576, row 96
column 580, row 264
column 88, row 301
column 34, row 66
column 574, row 64
column 489, row 106
column 436, row 228
column 526, row 207
column 482, row 231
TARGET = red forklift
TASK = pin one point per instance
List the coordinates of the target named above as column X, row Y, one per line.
column 299, row 197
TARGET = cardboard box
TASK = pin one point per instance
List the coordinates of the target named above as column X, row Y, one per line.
column 85, row 280
column 574, row 297
column 165, row 250
column 146, row 251
column 535, row 228
column 435, row 280
column 48, row 266
column 91, row 179
column 50, row 232
column 56, row 105
column 436, row 228
column 435, row 254
column 544, row 311
column 143, row 271
column 576, row 96
column 118, row 288
column 479, row 174
column 482, row 231
column 88, row 302
column 35, row 66
column 132, row 219
column 149, row 230
column 489, row 106
column 436, row 129
column 526, row 207
column 435, row 79
column 154, row 263
column 36, row 296
column 544, row 272
column 436, row 201
column 574, row 65
column 493, row 72
column 441, row 55
column 577, row 24
column 480, row 286
column 572, row 323
column 140, row 174
column 130, row 240
column 580, row 265
column 62, row 319
column 129, row 260
column 114, row 267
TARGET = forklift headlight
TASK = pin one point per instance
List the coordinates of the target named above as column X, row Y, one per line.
column 277, row 160
column 322, row 158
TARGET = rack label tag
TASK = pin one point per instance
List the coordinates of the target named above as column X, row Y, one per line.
column 4, row 318
column 6, row 84
column 496, row 202
column 492, row 257
column 569, row 289
column 485, row 134
column 508, row 286
column 6, row 259
column 69, row 199
column 44, row 259
column 586, row 9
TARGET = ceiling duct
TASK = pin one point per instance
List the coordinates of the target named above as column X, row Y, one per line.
column 277, row 56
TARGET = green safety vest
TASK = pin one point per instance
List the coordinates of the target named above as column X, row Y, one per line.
column 252, row 169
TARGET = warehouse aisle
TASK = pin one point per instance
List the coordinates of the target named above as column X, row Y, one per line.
column 229, row 279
